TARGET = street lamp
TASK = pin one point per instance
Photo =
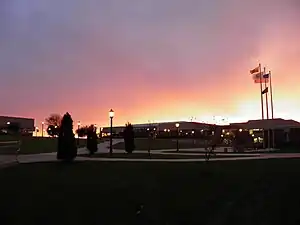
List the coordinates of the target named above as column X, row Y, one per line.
column 111, row 116
column 78, row 125
column 177, row 126
column 43, row 129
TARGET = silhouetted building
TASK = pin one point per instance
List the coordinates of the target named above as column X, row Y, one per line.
column 25, row 125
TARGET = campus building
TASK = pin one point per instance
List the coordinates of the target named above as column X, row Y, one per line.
column 25, row 125
column 255, row 131
column 162, row 129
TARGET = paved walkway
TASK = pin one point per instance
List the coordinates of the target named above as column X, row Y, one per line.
column 7, row 160
column 103, row 148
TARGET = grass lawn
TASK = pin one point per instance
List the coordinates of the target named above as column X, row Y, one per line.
column 158, row 144
column 155, row 156
column 247, row 192
column 32, row 145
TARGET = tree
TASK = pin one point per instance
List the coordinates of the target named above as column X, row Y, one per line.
column 92, row 140
column 53, row 131
column 128, row 134
column 82, row 131
column 54, row 120
column 67, row 148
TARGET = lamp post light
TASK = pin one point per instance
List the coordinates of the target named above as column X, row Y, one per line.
column 193, row 135
column 111, row 116
column 43, row 129
column 177, row 142
column 78, row 127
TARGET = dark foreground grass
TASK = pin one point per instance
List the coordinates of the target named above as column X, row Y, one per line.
column 156, row 156
column 31, row 145
column 248, row 192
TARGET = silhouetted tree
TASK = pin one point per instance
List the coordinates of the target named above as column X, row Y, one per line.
column 54, row 120
column 92, row 140
column 53, row 131
column 67, row 148
column 128, row 134
column 82, row 131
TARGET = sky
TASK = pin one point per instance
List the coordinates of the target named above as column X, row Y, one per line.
column 148, row 60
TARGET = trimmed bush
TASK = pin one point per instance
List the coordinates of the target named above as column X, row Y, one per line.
column 129, row 138
column 92, row 140
column 67, row 148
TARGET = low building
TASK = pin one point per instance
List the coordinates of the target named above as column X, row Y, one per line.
column 271, row 124
column 163, row 129
column 282, row 131
column 25, row 125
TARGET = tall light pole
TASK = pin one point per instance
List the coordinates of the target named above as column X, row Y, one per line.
column 43, row 129
column 177, row 126
column 78, row 125
column 111, row 116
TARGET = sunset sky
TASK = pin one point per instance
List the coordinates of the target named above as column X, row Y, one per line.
column 147, row 59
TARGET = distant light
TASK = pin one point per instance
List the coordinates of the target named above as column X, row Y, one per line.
column 193, row 132
column 154, row 128
column 222, row 135
column 55, row 126
column 253, row 135
column 43, row 123
column 8, row 123
column 148, row 129
column 165, row 130
column 177, row 125
column 240, row 130
column 168, row 130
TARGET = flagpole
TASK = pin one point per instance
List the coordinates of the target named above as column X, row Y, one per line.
column 271, row 93
column 261, row 95
column 262, row 102
column 272, row 109
column 267, row 106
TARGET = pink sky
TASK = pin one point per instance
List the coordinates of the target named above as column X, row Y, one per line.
column 148, row 60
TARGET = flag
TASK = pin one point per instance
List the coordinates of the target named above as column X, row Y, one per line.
column 255, row 70
column 257, row 75
column 266, row 76
column 260, row 78
column 265, row 91
column 258, row 81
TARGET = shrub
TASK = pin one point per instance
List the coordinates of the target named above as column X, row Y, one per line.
column 53, row 130
column 82, row 131
column 13, row 128
column 129, row 138
column 67, row 148
column 92, row 140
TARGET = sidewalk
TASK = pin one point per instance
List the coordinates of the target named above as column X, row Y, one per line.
column 103, row 148
column 7, row 160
